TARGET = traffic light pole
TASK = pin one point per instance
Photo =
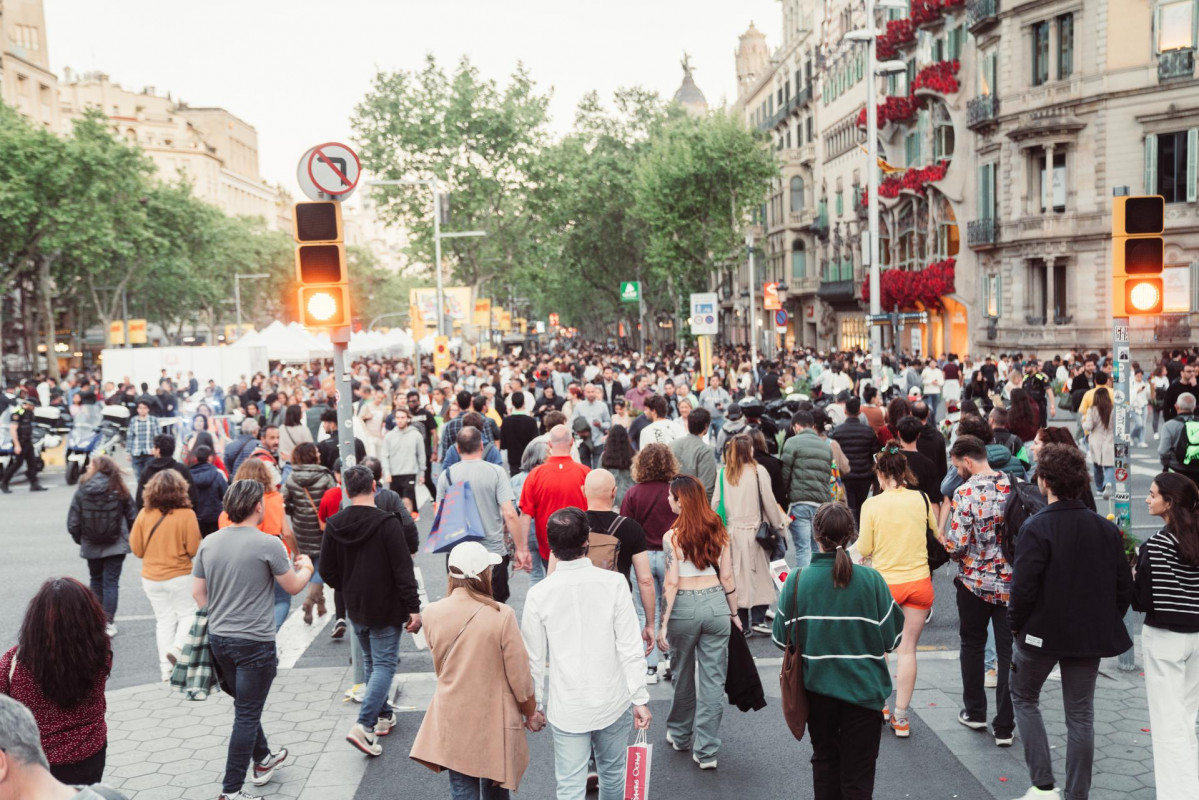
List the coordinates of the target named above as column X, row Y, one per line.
column 1121, row 426
column 345, row 448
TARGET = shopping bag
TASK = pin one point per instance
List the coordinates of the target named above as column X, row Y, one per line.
column 457, row 520
column 636, row 769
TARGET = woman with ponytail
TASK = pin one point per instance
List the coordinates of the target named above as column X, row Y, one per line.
column 1167, row 590
column 701, row 610
column 845, row 621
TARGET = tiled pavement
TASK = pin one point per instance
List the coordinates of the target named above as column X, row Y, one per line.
column 163, row 747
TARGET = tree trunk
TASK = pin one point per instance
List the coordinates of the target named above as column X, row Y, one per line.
column 46, row 287
column 28, row 327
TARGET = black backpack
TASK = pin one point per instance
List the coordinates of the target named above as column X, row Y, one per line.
column 103, row 518
column 1025, row 501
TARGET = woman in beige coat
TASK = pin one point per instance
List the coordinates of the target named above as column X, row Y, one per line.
column 743, row 488
column 484, row 695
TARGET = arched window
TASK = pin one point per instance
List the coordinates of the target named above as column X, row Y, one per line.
column 799, row 261
column 796, row 194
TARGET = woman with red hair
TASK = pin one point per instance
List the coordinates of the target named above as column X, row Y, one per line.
column 699, row 591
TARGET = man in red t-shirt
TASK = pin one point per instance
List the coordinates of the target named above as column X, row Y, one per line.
column 556, row 484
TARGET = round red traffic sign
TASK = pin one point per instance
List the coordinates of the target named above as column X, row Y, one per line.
column 334, row 169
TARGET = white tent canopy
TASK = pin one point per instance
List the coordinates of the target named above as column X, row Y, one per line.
column 295, row 343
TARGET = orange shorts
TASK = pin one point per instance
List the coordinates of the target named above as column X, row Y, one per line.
column 915, row 594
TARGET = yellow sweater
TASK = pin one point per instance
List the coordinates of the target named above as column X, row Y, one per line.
column 893, row 534
column 172, row 547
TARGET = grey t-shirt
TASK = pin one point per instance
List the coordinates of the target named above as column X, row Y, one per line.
column 492, row 488
column 240, row 564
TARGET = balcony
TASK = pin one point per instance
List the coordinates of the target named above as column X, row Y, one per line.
column 833, row 291
column 981, row 15
column 790, row 156
column 802, row 219
column 982, row 111
column 1176, row 64
column 807, row 154
column 982, row 234
column 805, row 284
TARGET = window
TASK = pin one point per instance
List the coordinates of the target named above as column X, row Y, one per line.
column 943, row 137
column 1040, row 53
column 938, row 49
column 987, row 199
column 788, row 145
column 797, row 199
column 809, row 127
column 1173, row 173
column 1053, row 186
column 994, row 295
column 911, row 149
column 988, row 68
column 953, row 43
column 1065, row 46
column 1175, row 25
column 840, row 203
column 799, row 261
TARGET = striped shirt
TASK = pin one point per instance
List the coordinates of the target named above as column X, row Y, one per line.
column 1167, row 587
column 843, row 633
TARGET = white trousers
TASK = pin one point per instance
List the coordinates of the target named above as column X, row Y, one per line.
column 174, row 610
column 1172, row 681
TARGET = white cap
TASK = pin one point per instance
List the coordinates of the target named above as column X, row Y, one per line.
column 914, row 393
column 469, row 559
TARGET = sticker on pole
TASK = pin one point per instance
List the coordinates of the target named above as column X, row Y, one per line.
column 329, row 171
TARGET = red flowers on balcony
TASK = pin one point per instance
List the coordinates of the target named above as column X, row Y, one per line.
column 899, row 34
column 897, row 109
column 906, row 289
column 915, row 179
column 939, row 77
column 926, row 12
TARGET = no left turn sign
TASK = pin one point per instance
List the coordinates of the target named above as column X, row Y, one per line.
column 329, row 171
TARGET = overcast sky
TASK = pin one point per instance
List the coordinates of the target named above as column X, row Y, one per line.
column 294, row 70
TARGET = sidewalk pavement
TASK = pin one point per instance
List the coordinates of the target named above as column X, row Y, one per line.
column 162, row 746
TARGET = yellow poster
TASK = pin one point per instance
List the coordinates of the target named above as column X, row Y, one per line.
column 482, row 313
column 137, row 331
column 505, row 323
column 441, row 354
column 116, row 332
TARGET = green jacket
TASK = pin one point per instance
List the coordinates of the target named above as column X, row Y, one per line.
column 843, row 633
column 807, row 467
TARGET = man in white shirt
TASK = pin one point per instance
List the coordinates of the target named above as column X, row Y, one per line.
column 660, row 430
column 596, row 681
column 834, row 381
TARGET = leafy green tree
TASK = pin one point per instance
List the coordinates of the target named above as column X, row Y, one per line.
column 477, row 137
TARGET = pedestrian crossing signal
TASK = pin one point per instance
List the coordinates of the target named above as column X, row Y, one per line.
column 1138, row 255
column 323, row 284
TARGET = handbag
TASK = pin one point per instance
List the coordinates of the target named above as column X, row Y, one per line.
column 938, row 556
column 457, row 519
column 795, row 696
column 766, row 537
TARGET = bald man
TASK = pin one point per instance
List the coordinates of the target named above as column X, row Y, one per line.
column 556, row 484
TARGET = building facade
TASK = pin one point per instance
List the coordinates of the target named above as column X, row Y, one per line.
column 210, row 147
column 1073, row 101
column 26, row 82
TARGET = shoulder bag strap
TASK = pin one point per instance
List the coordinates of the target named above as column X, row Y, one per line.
column 310, row 500
column 454, row 643
column 155, row 528
column 615, row 524
column 758, row 486
column 793, row 630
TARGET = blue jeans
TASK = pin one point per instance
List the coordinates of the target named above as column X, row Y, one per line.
column 572, row 752
column 1103, row 476
column 380, row 655
column 282, row 605
column 465, row 787
column 248, row 668
column 139, row 464
column 657, row 568
column 801, row 532
column 537, row 575
column 106, row 581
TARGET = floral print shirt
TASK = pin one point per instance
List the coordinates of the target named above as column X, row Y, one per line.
column 974, row 535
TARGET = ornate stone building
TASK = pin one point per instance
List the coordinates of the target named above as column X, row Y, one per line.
column 26, row 82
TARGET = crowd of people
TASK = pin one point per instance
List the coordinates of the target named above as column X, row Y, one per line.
column 646, row 499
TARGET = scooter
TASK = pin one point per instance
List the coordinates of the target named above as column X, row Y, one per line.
column 114, row 424
column 47, row 431
column 85, row 435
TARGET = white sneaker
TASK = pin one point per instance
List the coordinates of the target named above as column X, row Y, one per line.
column 675, row 745
column 664, row 667
column 1034, row 792
column 992, row 679
column 709, row 763
column 364, row 740
column 762, row 628
column 651, row 676
column 111, row 630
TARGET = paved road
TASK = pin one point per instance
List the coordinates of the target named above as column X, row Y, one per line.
column 941, row 760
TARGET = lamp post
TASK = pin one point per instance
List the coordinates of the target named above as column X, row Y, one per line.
column 874, row 69
column 435, row 186
column 237, row 279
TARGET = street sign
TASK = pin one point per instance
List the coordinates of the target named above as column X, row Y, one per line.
column 441, row 354
column 780, row 317
column 630, row 291
column 770, row 296
column 329, row 171
column 704, row 318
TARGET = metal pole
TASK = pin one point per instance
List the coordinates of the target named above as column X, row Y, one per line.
column 437, row 255
column 876, row 307
column 345, row 450
column 125, row 314
column 1121, row 425
column 753, row 313
column 237, row 302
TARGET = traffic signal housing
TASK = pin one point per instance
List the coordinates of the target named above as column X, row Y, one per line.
column 1138, row 255
column 323, row 285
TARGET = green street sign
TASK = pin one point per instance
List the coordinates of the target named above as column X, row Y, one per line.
column 630, row 291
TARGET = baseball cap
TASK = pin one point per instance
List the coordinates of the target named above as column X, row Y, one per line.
column 469, row 559
column 914, row 393
column 734, row 411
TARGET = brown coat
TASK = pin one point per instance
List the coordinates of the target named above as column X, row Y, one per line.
column 474, row 724
column 745, row 504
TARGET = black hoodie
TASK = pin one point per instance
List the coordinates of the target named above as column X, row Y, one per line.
column 364, row 555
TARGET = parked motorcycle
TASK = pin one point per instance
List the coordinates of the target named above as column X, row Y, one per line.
column 82, row 440
column 113, row 426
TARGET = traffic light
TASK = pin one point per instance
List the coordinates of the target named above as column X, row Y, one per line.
column 324, row 293
column 1138, row 255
